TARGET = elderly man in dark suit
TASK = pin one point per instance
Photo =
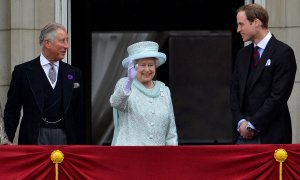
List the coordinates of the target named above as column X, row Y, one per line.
column 49, row 92
column 262, row 82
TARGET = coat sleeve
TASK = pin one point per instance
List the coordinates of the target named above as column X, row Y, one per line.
column 235, row 94
column 118, row 99
column 172, row 138
column 80, row 112
column 13, row 105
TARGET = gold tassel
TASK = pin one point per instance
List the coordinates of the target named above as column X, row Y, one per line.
column 57, row 157
column 280, row 155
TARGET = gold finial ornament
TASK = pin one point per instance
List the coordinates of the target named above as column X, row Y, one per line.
column 57, row 157
column 280, row 156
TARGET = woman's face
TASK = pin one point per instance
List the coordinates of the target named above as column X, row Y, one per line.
column 146, row 70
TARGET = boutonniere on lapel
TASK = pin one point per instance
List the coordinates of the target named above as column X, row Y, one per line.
column 268, row 63
column 70, row 77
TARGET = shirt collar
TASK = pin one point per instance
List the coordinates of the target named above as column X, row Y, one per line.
column 263, row 43
column 45, row 61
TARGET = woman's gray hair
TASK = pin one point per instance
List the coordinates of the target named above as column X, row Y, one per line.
column 49, row 31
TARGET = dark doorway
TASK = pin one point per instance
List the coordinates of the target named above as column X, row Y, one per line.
column 160, row 16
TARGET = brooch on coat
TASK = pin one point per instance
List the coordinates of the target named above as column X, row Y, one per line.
column 161, row 92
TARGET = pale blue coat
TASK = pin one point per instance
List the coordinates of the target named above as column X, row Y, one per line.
column 143, row 117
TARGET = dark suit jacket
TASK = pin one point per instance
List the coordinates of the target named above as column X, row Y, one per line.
column 268, row 93
column 26, row 91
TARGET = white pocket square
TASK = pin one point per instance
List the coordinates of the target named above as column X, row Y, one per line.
column 268, row 63
column 76, row 85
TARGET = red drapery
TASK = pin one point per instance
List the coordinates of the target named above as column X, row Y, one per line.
column 157, row 162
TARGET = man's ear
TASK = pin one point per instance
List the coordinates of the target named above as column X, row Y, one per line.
column 257, row 22
column 47, row 43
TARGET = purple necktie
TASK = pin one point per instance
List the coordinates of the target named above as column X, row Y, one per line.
column 256, row 56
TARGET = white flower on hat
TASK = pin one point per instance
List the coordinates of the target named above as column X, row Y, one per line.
column 144, row 49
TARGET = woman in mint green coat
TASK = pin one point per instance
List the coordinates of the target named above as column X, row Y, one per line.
column 143, row 110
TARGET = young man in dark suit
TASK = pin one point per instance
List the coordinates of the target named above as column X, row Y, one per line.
column 262, row 82
column 49, row 91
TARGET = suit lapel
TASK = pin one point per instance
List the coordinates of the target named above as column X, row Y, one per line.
column 35, row 73
column 68, row 78
column 265, row 56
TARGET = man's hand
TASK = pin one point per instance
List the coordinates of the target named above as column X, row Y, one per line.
column 244, row 132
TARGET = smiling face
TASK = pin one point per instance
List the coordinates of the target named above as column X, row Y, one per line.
column 146, row 71
column 246, row 28
column 55, row 49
